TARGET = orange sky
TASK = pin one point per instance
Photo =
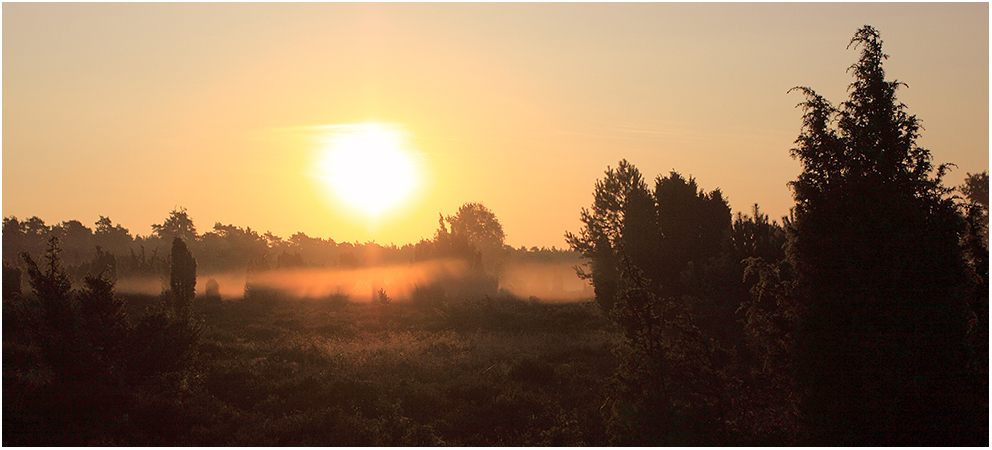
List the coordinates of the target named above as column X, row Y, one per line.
column 129, row 110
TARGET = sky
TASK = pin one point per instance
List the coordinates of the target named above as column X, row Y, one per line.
column 132, row 110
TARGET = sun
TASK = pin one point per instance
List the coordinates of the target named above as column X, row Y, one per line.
column 368, row 167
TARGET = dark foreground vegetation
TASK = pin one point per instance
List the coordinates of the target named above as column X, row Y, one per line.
column 860, row 319
column 282, row 372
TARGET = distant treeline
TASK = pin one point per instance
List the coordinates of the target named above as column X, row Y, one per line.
column 473, row 234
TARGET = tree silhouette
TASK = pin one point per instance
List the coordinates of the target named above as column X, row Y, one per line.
column 482, row 229
column 83, row 334
column 182, row 280
column 670, row 389
column 660, row 232
column 755, row 236
column 178, row 224
column 11, row 282
column 600, row 239
column 655, row 258
column 976, row 188
column 976, row 248
column 229, row 247
column 165, row 341
column 693, row 226
column 75, row 240
column 58, row 308
column 449, row 244
column 875, row 248
column 976, row 191
column 104, row 326
column 114, row 238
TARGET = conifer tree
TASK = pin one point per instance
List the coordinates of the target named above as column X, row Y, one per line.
column 182, row 279
column 57, row 333
column 875, row 246
column 600, row 241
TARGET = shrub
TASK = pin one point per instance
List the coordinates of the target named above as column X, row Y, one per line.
column 429, row 297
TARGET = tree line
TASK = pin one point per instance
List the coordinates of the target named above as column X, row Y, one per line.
column 473, row 234
column 861, row 319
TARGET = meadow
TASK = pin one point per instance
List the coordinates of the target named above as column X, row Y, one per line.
column 280, row 371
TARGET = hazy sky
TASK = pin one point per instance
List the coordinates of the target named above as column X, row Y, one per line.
column 130, row 110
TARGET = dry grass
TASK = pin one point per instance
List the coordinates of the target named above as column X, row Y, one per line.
column 485, row 372
column 281, row 372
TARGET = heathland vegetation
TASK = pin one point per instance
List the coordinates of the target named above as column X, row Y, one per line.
column 859, row 319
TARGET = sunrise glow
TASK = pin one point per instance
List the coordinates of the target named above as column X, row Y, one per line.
column 475, row 224
column 367, row 167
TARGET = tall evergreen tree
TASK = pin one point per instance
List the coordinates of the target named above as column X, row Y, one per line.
column 57, row 334
column 875, row 246
column 182, row 279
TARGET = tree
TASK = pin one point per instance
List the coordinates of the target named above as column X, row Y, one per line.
column 875, row 248
column 693, row 226
column 449, row 244
column 103, row 264
column 600, row 239
column 105, row 330
column 76, row 241
column 455, row 244
column 166, row 340
column 114, row 238
column 182, row 280
column 178, row 224
column 58, row 309
column 11, row 282
column 755, row 236
column 314, row 251
column 482, row 229
column 670, row 386
column 769, row 400
column 976, row 192
column 230, row 247
column 648, row 252
column 82, row 333
column 661, row 232
column 976, row 249
column 93, row 362
column 976, row 188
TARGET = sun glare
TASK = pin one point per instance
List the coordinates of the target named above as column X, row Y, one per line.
column 368, row 167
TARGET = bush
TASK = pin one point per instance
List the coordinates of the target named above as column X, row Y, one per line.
column 429, row 297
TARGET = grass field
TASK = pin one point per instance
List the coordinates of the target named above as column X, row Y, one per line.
column 283, row 372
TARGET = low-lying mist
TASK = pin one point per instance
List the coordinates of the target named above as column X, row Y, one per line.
column 547, row 281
